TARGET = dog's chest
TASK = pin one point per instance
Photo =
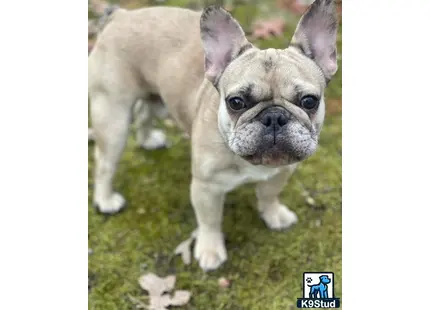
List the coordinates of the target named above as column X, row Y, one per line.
column 234, row 177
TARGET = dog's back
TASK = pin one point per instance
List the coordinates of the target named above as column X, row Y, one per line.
column 139, row 51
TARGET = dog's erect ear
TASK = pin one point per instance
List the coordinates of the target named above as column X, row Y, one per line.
column 316, row 35
column 223, row 40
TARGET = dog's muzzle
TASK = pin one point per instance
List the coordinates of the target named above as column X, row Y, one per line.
column 273, row 119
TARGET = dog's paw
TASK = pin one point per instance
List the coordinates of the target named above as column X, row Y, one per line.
column 156, row 140
column 210, row 250
column 112, row 205
column 279, row 217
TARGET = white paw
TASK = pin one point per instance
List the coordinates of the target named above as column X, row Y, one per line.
column 157, row 139
column 210, row 250
column 112, row 205
column 279, row 217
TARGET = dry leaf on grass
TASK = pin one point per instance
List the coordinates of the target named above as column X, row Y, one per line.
column 180, row 298
column 264, row 29
column 156, row 287
column 159, row 302
column 184, row 248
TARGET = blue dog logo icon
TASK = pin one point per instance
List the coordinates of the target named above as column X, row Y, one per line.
column 320, row 290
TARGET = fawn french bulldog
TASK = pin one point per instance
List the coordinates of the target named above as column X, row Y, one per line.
column 252, row 114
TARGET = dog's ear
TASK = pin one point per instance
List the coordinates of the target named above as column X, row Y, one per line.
column 316, row 33
column 223, row 40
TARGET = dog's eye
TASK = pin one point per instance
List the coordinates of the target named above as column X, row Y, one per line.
column 236, row 103
column 309, row 102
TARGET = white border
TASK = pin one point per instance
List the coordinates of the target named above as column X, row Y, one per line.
column 385, row 162
column 43, row 166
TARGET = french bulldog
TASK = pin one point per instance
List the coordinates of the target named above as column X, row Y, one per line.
column 252, row 115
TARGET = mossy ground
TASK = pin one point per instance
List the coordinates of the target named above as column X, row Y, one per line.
column 265, row 267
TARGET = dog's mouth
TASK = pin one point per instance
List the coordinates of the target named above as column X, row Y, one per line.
column 271, row 158
column 266, row 143
column 281, row 150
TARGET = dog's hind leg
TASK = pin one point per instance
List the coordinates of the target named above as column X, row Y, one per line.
column 110, row 116
column 145, row 111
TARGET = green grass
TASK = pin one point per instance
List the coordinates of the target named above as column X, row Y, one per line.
column 265, row 267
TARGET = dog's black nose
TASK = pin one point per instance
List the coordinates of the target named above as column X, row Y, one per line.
column 274, row 119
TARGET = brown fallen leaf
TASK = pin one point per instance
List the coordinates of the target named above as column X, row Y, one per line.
column 155, row 285
column 264, row 29
column 180, row 298
column 159, row 302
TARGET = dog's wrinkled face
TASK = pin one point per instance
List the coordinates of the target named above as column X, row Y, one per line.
column 271, row 101
column 272, row 106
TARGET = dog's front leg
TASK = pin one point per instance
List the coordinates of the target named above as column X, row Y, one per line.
column 274, row 213
column 208, row 202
